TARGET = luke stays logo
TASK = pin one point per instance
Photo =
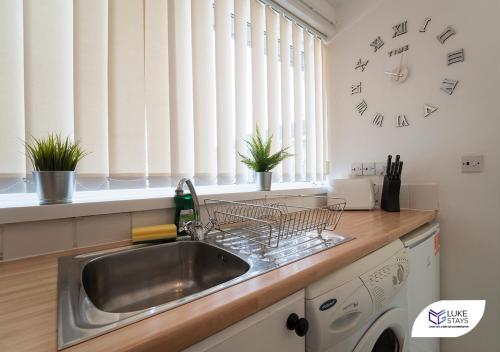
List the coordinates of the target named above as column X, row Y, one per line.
column 448, row 318
column 437, row 317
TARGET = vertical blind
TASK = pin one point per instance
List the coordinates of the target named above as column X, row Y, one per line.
column 91, row 82
column 161, row 88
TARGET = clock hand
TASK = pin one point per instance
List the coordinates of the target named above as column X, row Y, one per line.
column 393, row 74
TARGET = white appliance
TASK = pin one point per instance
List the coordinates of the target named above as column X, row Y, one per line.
column 358, row 192
column 362, row 307
column 424, row 278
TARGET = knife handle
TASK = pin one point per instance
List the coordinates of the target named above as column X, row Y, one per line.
column 392, row 175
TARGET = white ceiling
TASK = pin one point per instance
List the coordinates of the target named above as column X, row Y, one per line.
column 348, row 12
column 338, row 3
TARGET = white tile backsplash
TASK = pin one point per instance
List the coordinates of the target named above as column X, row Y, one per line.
column 153, row 217
column 93, row 230
column 404, row 197
column 35, row 238
column 412, row 196
column 424, row 196
column 308, row 202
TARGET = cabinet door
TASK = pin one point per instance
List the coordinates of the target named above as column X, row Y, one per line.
column 265, row 331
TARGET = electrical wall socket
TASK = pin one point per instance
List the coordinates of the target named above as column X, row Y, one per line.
column 368, row 169
column 380, row 168
column 472, row 163
column 357, row 169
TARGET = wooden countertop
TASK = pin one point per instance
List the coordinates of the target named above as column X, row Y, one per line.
column 28, row 293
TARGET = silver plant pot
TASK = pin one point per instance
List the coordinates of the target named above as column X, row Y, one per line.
column 264, row 180
column 54, row 187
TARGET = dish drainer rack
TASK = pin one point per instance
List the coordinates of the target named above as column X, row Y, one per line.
column 269, row 221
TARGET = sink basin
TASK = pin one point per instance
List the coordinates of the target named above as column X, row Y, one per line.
column 147, row 277
column 102, row 291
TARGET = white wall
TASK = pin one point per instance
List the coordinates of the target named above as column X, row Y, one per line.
column 467, row 122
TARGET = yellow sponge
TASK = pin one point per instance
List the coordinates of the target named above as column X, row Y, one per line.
column 154, row 233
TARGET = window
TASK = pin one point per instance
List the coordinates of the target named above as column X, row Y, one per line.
column 156, row 90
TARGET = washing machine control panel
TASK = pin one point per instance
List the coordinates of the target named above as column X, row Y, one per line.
column 385, row 281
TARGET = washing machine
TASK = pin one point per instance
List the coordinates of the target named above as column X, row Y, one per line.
column 362, row 307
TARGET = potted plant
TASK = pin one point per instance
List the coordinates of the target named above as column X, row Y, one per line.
column 261, row 160
column 54, row 160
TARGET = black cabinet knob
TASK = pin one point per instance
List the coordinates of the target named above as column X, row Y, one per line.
column 291, row 322
column 300, row 325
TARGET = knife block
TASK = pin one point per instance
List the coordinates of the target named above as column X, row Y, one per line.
column 390, row 195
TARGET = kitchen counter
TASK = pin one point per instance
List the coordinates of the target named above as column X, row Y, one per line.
column 28, row 293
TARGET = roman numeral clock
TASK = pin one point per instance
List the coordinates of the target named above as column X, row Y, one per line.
column 445, row 84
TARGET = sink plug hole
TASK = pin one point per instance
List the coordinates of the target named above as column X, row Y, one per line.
column 222, row 257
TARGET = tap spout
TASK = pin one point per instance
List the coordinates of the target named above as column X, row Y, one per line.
column 180, row 190
column 197, row 230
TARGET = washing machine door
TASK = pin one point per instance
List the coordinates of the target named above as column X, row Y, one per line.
column 389, row 333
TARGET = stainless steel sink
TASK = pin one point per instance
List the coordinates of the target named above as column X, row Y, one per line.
column 147, row 277
column 102, row 291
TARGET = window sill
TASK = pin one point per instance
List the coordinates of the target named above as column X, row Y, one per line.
column 24, row 207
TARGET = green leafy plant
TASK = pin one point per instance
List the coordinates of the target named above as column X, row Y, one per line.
column 261, row 159
column 53, row 153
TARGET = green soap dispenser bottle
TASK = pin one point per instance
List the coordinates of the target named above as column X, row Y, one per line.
column 184, row 210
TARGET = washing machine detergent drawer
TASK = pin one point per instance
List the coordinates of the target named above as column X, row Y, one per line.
column 335, row 315
column 385, row 281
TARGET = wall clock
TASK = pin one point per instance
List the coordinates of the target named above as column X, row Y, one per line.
column 383, row 48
